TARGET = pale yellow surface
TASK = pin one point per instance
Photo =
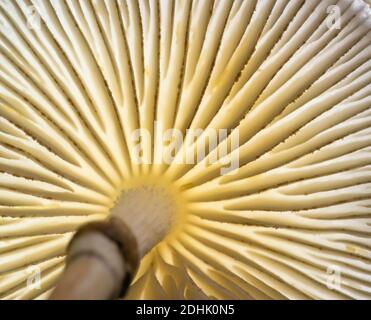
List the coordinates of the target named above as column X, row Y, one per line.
column 72, row 92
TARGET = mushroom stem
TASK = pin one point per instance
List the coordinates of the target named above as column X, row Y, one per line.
column 103, row 257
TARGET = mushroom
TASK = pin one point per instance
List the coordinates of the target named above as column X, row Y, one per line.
column 89, row 90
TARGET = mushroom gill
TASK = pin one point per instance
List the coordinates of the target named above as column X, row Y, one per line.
column 288, row 80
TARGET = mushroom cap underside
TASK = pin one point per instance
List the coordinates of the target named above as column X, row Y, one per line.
column 288, row 84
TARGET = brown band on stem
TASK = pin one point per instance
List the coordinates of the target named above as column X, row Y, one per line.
column 116, row 230
column 102, row 259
